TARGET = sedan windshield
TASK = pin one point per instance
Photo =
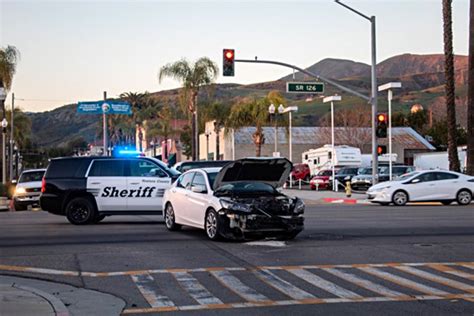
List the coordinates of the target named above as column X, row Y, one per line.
column 244, row 187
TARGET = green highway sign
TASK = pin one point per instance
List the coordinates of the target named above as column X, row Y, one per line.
column 305, row 87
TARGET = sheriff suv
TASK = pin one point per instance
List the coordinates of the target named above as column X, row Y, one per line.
column 87, row 189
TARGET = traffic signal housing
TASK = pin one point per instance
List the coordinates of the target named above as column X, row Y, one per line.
column 381, row 150
column 382, row 124
column 228, row 62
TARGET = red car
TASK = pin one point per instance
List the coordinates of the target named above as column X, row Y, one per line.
column 300, row 171
column 321, row 180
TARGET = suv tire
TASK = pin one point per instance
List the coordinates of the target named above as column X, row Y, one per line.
column 81, row 211
column 19, row 207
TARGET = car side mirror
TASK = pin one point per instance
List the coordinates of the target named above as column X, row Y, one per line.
column 415, row 181
column 198, row 189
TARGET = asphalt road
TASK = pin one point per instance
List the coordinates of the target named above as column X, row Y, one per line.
column 351, row 259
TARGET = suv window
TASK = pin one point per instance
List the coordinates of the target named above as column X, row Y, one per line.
column 107, row 168
column 31, row 176
column 199, row 180
column 144, row 168
column 67, row 168
column 185, row 180
column 445, row 176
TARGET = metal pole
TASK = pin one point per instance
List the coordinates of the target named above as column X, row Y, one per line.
column 374, row 103
column 233, row 145
column 390, row 133
column 104, row 120
column 276, row 131
column 332, row 148
column 4, row 130
column 11, row 137
column 290, row 142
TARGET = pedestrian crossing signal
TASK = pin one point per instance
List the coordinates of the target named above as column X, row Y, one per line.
column 228, row 63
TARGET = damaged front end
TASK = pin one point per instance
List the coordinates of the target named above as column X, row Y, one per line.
column 263, row 215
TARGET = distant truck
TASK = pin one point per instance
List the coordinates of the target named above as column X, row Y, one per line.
column 320, row 158
column 438, row 160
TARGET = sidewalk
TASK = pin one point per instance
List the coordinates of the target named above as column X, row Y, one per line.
column 22, row 296
column 326, row 196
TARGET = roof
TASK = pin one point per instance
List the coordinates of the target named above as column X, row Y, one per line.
column 319, row 136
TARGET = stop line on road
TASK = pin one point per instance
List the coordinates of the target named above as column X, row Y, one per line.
column 288, row 285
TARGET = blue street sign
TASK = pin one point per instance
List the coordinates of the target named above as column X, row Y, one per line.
column 107, row 107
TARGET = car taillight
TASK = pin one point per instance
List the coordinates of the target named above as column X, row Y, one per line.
column 43, row 185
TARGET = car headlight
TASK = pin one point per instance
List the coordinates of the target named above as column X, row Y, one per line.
column 233, row 206
column 299, row 206
column 19, row 191
column 382, row 189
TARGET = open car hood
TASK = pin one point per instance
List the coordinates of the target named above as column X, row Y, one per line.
column 273, row 171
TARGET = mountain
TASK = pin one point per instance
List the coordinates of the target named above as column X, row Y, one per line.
column 422, row 77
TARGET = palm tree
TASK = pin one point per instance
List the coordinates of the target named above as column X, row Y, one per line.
column 251, row 112
column 161, row 127
column 449, row 86
column 8, row 60
column 470, row 95
column 137, row 101
column 192, row 76
column 219, row 113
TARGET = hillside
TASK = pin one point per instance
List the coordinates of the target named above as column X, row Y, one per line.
column 422, row 77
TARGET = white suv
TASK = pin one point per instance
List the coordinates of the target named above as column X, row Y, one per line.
column 28, row 189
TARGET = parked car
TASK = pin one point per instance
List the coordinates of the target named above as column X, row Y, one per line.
column 321, row 180
column 235, row 201
column 397, row 171
column 184, row 166
column 363, row 180
column 28, row 189
column 441, row 186
column 345, row 174
column 300, row 172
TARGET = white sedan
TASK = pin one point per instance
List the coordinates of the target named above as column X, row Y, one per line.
column 424, row 186
column 238, row 200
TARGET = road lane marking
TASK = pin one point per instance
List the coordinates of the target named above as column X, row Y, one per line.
column 437, row 279
column 376, row 288
column 450, row 270
column 404, row 282
column 235, row 285
column 321, row 283
column 146, row 285
column 195, row 289
column 282, row 285
column 38, row 270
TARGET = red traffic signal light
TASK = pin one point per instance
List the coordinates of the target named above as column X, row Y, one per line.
column 381, row 150
column 381, row 125
column 228, row 63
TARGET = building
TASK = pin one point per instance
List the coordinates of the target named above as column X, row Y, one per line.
column 239, row 144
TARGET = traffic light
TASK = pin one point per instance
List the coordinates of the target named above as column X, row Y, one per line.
column 382, row 123
column 381, row 150
column 228, row 63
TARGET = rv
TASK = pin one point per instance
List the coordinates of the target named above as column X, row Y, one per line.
column 439, row 160
column 321, row 158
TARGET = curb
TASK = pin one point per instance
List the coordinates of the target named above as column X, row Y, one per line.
column 345, row 201
column 58, row 306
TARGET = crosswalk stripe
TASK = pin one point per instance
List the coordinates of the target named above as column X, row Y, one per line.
column 437, row 278
column 468, row 265
column 450, row 270
column 324, row 284
column 234, row 284
column 198, row 292
column 146, row 285
column 282, row 285
column 376, row 288
column 403, row 282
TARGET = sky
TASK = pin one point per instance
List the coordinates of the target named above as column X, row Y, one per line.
column 74, row 50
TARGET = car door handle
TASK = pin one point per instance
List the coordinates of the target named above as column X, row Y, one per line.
column 95, row 183
column 135, row 183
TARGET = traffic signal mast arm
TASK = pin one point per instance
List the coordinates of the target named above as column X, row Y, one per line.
column 309, row 73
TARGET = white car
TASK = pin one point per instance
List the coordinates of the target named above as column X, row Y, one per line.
column 28, row 189
column 424, row 186
column 238, row 200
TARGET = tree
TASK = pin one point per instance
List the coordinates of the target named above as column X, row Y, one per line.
column 470, row 94
column 8, row 59
column 250, row 112
column 219, row 113
column 160, row 127
column 137, row 101
column 21, row 127
column 417, row 120
column 449, row 86
column 193, row 77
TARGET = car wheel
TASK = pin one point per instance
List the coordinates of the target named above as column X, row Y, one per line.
column 99, row 218
column 80, row 211
column 313, row 188
column 400, row 198
column 464, row 197
column 170, row 218
column 212, row 225
column 19, row 207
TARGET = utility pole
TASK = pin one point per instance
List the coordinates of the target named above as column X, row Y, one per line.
column 104, row 120
column 12, row 140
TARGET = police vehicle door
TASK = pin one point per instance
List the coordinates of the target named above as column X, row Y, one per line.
column 106, row 181
column 146, row 184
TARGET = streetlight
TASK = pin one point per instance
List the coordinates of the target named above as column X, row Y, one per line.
column 389, row 86
column 373, row 99
column 325, row 100
column 289, row 110
column 207, row 133
column 271, row 110
column 3, row 96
